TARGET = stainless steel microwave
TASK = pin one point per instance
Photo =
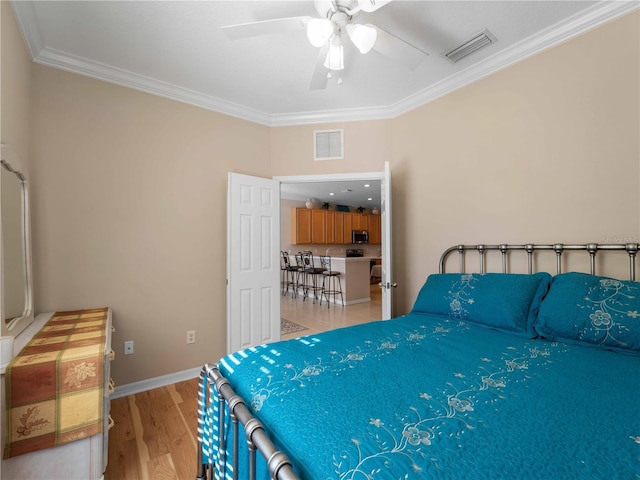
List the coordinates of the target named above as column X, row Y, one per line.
column 359, row 236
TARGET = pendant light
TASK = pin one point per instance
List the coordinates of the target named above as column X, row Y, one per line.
column 335, row 55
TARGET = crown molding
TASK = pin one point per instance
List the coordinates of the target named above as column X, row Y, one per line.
column 330, row 116
column 28, row 21
column 600, row 13
column 61, row 60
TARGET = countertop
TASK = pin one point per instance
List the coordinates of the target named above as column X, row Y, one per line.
column 342, row 258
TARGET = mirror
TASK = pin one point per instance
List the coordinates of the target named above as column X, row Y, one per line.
column 16, row 307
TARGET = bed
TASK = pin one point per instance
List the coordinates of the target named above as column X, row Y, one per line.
column 491, row 375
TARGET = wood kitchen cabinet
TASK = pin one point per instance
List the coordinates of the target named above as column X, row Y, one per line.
column 360, row 221
column 318, row 226
column 312, row 226
column 347, row 225
column 338, row 227
column 330, row 227
column 300, row 226
column 375, row 229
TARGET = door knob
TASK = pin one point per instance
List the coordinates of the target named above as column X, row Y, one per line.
column 387, row 285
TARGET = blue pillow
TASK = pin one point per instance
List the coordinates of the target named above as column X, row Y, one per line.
column 505, row 301
column 596, row 310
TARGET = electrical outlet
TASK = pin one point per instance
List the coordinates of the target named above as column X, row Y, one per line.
column 191, row 336
column 128, row 347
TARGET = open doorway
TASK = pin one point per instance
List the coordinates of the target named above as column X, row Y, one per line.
column 356, row 198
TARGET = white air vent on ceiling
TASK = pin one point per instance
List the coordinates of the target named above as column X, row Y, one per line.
column 475, row 43
column 328, row 144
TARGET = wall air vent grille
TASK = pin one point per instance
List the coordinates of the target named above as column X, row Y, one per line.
column 473, row 44
column 328, row 144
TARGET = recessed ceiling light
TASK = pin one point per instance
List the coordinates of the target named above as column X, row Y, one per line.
column 366, row 185
column 332, row 194
column 369, row 198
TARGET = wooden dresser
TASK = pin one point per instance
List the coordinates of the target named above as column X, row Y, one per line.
column 84, row 458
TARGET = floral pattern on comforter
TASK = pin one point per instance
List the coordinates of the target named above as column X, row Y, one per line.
column 430, row 397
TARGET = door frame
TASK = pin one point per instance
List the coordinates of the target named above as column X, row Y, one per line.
column 338, row 177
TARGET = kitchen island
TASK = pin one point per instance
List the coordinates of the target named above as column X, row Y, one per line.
column 355, row 276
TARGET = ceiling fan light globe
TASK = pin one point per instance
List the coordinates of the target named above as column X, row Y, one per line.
column 363, row 36
column 319, row 30
column 335, row 55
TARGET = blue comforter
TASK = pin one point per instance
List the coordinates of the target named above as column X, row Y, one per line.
column 429, row 397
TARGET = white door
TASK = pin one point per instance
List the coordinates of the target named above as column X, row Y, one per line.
column 388, row 284
column 253, row 261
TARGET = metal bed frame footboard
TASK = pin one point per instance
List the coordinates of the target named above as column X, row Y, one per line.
column 278, row 464
column 558, row 248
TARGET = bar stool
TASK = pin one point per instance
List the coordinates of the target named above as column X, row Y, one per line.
column 300, row 276
column 311, row 274
column 329, row 278
column 288, row 274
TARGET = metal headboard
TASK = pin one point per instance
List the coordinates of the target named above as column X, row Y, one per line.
column 530, row 248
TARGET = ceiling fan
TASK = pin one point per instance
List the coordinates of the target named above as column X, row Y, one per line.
column 338, row 20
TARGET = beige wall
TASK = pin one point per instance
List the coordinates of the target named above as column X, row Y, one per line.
column 130, row 212
column 367, row 145
column 15, row 133
column 544, row 151
column 16, row 85
column 130, row 204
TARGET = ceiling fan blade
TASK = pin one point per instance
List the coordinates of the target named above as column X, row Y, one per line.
column 372, row 5
column 397, row 49
column 323, row 7
column 319, row 77
column 265, row 27
column 367, row 6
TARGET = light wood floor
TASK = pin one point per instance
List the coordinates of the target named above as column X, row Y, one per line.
column 154, row 436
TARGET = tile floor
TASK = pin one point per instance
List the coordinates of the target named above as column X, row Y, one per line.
column 319, row 318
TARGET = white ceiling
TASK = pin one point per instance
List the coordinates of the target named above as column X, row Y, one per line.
column 353, row 193
column 176, row 49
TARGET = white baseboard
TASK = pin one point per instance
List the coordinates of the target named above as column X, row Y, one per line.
column 156, row 382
